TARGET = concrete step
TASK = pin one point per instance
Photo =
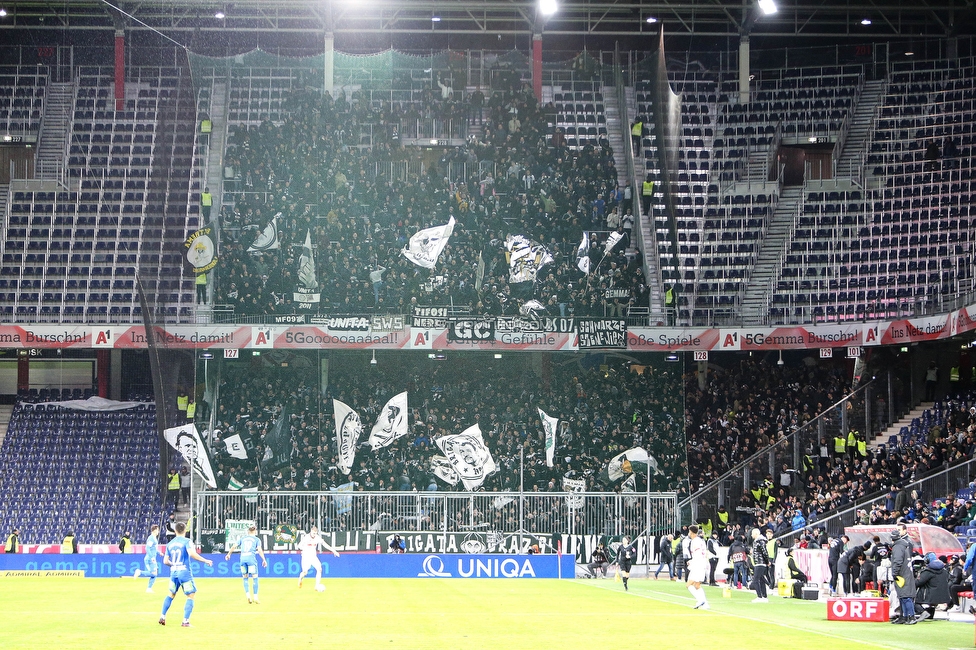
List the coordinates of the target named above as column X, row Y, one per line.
column 883, row 437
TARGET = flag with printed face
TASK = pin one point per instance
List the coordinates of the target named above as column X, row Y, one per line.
column 235, row 446
column 186, row 440
column 268, row 239
column 612, row 241
column 525, row 258
column 583, row 254
column 624, row 464
column 348, row 428
column 443, row 470
column 467, row 454
column 549, row 426
column 391, row 423
column 201, row 249
column 307, row 290
column 426, row 246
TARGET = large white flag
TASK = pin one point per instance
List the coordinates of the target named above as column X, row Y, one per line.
column 186, row 440
column 307, row 290
column 625, row 463
column 268, row 239
column 525, row 258
column 348, row 427
column 550, row 426
column 426, row 246
column 612, row 241
column 442, row 469
column 391, row 423
column 468, row 455
column 583, row 254
column 235, row 446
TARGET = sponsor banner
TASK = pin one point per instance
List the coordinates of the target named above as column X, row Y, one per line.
column 858, row 610
column 965, row 320
column 658, row 339
column 914, row 330
column 362, row 565
column 582, row 547
column 44, row 336
column 789, row 338
column 317, row 337
column 600, row 333
column 42, row 574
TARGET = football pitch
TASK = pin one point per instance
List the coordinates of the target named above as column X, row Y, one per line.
column 434, row 614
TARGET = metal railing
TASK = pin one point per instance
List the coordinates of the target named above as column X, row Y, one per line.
column 856, row 411
column 590, row 513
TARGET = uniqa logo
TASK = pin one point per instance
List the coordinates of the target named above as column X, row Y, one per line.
column 495, row 568
column 433, row 568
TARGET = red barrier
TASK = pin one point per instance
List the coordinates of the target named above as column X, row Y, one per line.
column 859, row 610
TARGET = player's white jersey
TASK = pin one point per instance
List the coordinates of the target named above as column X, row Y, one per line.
column 309, row 544
column 698, row 550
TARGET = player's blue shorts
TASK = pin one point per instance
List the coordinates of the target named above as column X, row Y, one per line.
column 182, row 579
column 249, row 568
column 152, row 567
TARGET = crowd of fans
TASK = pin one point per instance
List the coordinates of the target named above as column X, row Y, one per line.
column 602, row 412
column 361, row 204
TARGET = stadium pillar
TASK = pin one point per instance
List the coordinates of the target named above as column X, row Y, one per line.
column 115, row 375
column 102, row 357
column 23, row 374
column 744, row 70
column 329, row 62
column 119, row 69
column 537, row 66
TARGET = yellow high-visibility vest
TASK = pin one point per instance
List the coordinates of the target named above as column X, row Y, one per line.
column 68, row 544
column 637, row 129
column 191, row 410
column 647, row 188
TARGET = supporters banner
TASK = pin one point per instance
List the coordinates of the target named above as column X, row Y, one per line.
column 471, row 329
column 391, row 423
column 427, row 245
column 343, row 498
column 549, row 426
column 268, row 238
column 186, row 440
column 201, row 249
column 277, row 450
column 468, row 455
column 625, row 464
column 599, row 333
column 235, row 446
column 525, row 258
column 307, row 292
column 348, row 427
column 612, row 241
column 583, row 254
column 442, row 469
column 576, row 487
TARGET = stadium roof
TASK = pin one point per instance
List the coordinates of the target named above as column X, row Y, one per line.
column 806, row 19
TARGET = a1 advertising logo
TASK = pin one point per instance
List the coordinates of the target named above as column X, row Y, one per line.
column 102, row 337
column 262, row 337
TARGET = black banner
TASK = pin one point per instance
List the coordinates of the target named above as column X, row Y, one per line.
column 596, row 333
column 471, row 329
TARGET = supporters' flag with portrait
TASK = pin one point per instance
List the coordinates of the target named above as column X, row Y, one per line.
column 201, row 249
column 443, row 470
column 612, row 241
column 348, row 428
column 576, row 486
column 624, row 464
column 186, row 440
column 583, row 254
column 235, row 446
column 268, row 239
column 549, row 425
column 425, row 247
column 307, row 291
column 391, row 423
column 467, row 454
column 525, row 258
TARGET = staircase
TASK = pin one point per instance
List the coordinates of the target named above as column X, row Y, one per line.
column 906, row 420
column 615, row 136
column 4, row 196
column 755, row 302
column 218, row 140
column 56, row 120
column 862, row 124
column 6, row 411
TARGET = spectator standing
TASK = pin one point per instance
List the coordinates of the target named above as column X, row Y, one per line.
column 125, row 544
column 901, row 571
column 173, row 487
column 666, row 558
column 739, row 557
column 206, row 204
column 760, row 562
column 185, row 485
column 712, row 549
column 931, row 381
column 12, row 545
column 70, row 543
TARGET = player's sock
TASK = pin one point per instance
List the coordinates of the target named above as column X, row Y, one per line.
column 693, row 592
column 700, row 595
column 166, row 603
column 625, row 583
column 245, row 587
column 152, row 580
column 254, row 588
column 187, row 609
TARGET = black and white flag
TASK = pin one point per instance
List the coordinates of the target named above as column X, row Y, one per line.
column 391, row 423
column 348, row 428
column 468, row 456
column 550, row 426
column 426, row 246
column 186, row 440
column 525, row 258
column 268, row 239
column 583, row 254
column 442, row 469
column 307, row 291
column 612, row 241
column 235, row 446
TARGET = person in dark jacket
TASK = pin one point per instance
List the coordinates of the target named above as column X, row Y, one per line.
column 598, row 561
column 958, row 580
column 933, row 586
column 739, row 558
column 867, row 576
column 760, row 562
column 626, row 554
column 836, row 549
column 901, row 572
column 848, row 566
column 791, row 567
column 666, row 558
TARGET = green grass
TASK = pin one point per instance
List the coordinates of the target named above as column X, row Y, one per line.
column 434, row 614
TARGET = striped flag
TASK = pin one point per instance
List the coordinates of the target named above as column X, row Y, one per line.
column 550, row 426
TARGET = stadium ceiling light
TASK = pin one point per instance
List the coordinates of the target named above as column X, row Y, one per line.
column 548, row 7
column 865, row 21
column 220, row 15
column 768, row 7
column 3, row 12
column 435, row 19
column 651, row 19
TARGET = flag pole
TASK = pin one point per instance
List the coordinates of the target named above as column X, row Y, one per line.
column 521, row 492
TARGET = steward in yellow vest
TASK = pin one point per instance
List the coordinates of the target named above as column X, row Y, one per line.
column 69, row 544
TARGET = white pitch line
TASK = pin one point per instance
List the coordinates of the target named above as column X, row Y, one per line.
column 748, row 618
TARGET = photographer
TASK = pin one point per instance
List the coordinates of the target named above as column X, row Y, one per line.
column 933, row 586
column 397, row 545
column 599, row 560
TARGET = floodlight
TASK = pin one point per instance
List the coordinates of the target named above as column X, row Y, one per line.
column 768, row 7
column 220, row 15
column 3, row 12
column 865, row 21
column 548, row 7
column 435, row 19
column 651, row 19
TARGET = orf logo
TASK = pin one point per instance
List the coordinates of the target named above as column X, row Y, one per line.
column 857, row 609
column 433, row 568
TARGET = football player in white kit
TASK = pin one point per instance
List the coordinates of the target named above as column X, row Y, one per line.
column 309, row 544
column 697, row 567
